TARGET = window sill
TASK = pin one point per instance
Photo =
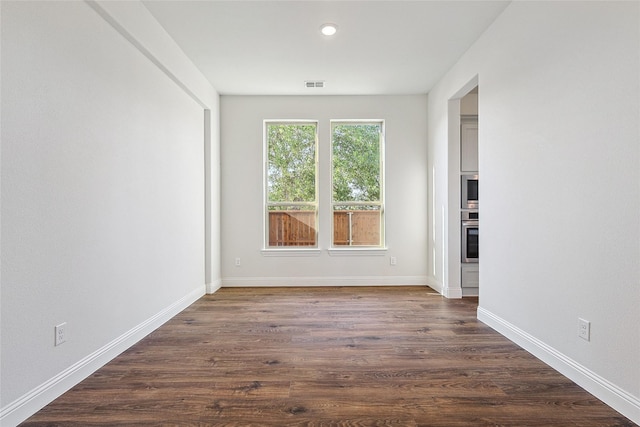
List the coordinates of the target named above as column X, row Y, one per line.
column 357, row 251
column 291, row 252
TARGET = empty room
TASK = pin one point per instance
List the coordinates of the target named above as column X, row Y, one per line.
column 267, row 213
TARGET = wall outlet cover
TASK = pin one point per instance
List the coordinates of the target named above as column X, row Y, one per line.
column 584, row 329
column 60, row 333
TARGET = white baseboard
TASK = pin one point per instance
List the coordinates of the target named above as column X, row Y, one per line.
column 452, row 292
column 231, row 282
column 619, row 399
column 212, row 287
column 31, row 402
column 470, row 292
column 435, row 284
column 443, row 290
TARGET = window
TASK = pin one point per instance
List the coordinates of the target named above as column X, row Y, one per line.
column 357, row 157
column 291, row 201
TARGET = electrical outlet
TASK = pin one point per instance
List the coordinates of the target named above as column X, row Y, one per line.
column 584, row 329
column 393, row 260
column 61, row 333
column 237, row 262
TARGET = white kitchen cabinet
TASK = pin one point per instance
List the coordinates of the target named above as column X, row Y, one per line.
column 470, row 275
column 469, row 145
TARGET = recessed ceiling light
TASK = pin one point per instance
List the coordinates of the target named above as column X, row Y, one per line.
column 329, row 29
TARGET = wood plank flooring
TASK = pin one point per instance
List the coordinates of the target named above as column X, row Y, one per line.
column 349, row 356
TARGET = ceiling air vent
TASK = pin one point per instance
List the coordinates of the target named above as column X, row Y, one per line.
column 314, row 83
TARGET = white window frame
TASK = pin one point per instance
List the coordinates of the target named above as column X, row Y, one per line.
column 360, row 249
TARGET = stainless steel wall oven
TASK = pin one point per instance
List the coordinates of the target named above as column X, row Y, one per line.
column 470, row 236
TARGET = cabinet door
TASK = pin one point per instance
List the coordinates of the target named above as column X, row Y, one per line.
column 469, row 147
column 470, row 275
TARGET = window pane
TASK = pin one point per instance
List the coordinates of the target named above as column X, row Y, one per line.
column 289, row 226
column 291, row 169
column 356, row 225
column 291, row 184
column 356, row 161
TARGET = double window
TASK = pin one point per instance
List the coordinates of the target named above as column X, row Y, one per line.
column 291, row 183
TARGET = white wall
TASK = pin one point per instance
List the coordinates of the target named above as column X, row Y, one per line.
column 242, row 180
column 560, row 186
column 103, row 190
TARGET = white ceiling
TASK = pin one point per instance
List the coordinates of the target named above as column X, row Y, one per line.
column 271, row 47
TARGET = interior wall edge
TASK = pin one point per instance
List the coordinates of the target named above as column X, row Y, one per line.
column 104, row 9
column 127, row 19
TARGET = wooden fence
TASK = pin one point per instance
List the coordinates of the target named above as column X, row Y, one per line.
column 292, row 228
column 298, row 228
column 365, row 228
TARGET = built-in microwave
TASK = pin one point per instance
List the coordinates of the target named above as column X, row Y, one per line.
column 469, row 191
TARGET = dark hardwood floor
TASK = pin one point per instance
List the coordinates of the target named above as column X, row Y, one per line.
column 352, row 356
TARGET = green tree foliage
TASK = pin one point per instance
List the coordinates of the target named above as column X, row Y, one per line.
column 291, row 168
column 292, row 162
column 356, row 162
